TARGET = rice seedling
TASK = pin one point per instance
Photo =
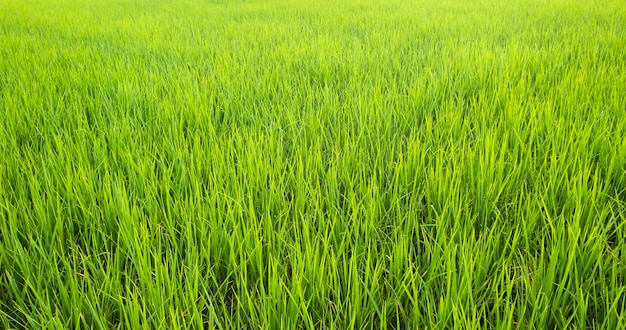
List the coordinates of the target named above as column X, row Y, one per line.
column 313, row 164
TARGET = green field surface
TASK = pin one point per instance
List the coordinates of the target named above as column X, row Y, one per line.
column 345, row 164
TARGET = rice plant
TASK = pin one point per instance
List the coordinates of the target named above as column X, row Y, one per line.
column 354, row 164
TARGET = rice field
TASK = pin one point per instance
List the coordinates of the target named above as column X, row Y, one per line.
column 351, row 164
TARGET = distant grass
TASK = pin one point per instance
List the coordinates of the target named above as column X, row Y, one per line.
column 318, row 164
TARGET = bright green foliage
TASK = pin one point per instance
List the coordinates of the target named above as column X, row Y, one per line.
column 312, row 164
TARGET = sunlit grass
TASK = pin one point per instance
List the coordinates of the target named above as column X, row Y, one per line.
column 274, row 164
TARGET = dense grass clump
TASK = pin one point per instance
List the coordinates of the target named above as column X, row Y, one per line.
column 312, row 164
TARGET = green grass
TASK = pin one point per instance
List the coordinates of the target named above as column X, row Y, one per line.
column 312, row 164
